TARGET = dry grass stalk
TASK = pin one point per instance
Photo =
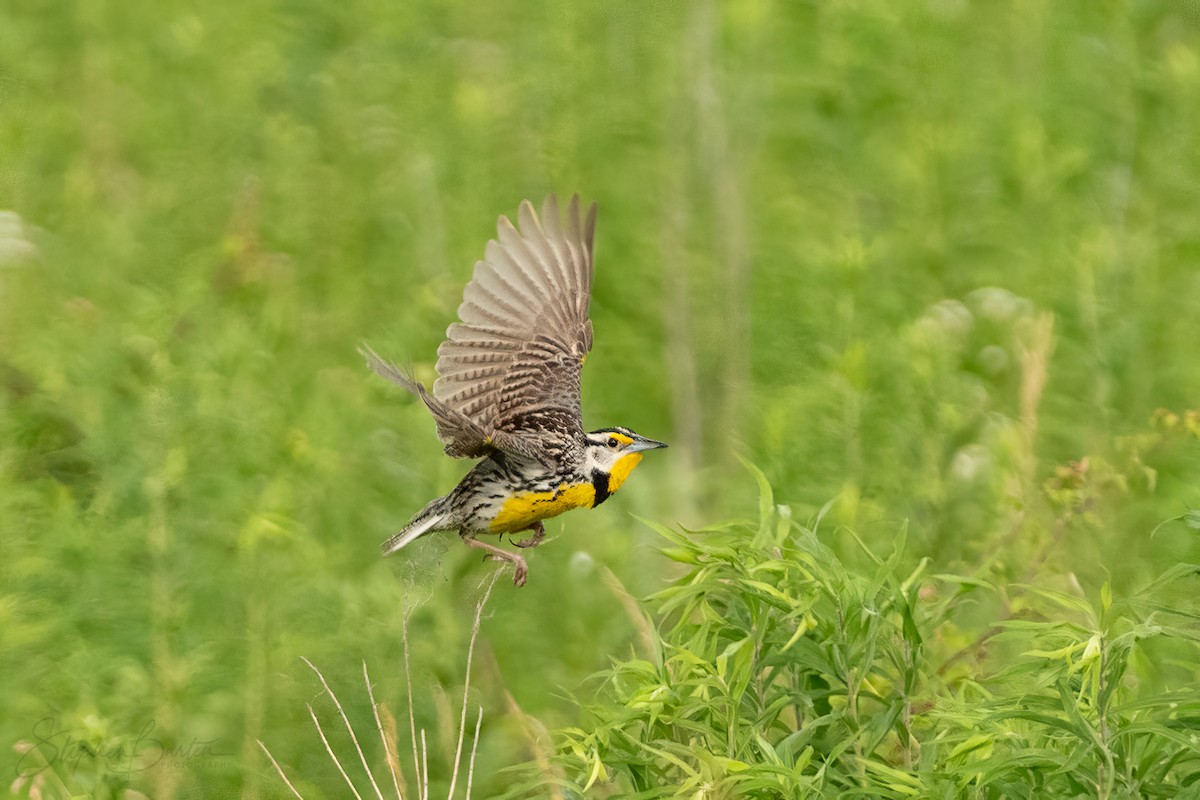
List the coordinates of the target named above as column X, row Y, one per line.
column 385, row 724
column 462, row 723
column 412, row 724
column 279, row 769
column 532, row 730
column 474, row 748
column 1035, row 360
column 632, row 610
column 332, row 754
column 424, row 768
column 391, row 757
column 349, row 728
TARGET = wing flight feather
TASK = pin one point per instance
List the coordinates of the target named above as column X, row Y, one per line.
column 509, row 368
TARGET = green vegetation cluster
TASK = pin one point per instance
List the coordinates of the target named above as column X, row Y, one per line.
column 931, row 266
column 775, row 671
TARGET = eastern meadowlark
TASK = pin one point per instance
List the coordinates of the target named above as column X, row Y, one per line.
column 508, row 390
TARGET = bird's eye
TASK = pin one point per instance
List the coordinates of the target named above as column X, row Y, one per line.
column 612, row 442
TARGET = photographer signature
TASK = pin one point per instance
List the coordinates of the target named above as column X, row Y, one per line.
column 53, row 744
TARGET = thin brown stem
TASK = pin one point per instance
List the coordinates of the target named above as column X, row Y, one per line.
column 474, row 748
column 388, row 755
column 349, row 728
column 424, row 767
column 279, row 769
column 462, row 723
column 332, row 754
column 412, row 724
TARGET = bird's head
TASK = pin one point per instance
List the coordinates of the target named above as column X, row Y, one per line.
column 611, row 455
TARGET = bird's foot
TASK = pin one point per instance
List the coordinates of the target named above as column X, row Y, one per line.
column 520, row 569
column 539, row 533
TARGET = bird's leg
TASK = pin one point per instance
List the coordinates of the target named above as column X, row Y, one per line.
column 539, row 533
column 520, row 570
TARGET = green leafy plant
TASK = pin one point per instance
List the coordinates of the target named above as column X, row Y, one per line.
column 776, row 670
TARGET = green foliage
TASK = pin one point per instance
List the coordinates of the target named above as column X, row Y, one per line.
column 778, row 672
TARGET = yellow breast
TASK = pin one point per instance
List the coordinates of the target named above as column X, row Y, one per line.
column 521, row 511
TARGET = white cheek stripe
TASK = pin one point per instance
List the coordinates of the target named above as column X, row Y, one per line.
column 601, row 459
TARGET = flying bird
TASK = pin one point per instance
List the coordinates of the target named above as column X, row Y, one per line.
column 508, row 390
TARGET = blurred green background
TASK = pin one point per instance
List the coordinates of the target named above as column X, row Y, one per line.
column 917, row 259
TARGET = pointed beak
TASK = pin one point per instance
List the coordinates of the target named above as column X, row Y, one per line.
column 644, row 444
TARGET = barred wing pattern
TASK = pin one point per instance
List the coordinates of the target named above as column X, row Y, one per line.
column 512, row 364
column 509, row 369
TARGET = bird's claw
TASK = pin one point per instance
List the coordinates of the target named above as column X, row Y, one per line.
column 520, row 569
column 539, row 533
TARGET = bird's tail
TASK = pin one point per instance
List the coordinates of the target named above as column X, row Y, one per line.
column 428, row 520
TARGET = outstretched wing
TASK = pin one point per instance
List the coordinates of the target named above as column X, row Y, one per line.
column 512, row 364
column 509, row 369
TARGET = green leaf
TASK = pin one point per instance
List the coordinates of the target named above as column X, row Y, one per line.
column 898, row 780
column 767, row 750
column 971, row 744
column 1063, row 599
column 1175, row 573
column 668, row 534
column 682, row 555
column 766, row 496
